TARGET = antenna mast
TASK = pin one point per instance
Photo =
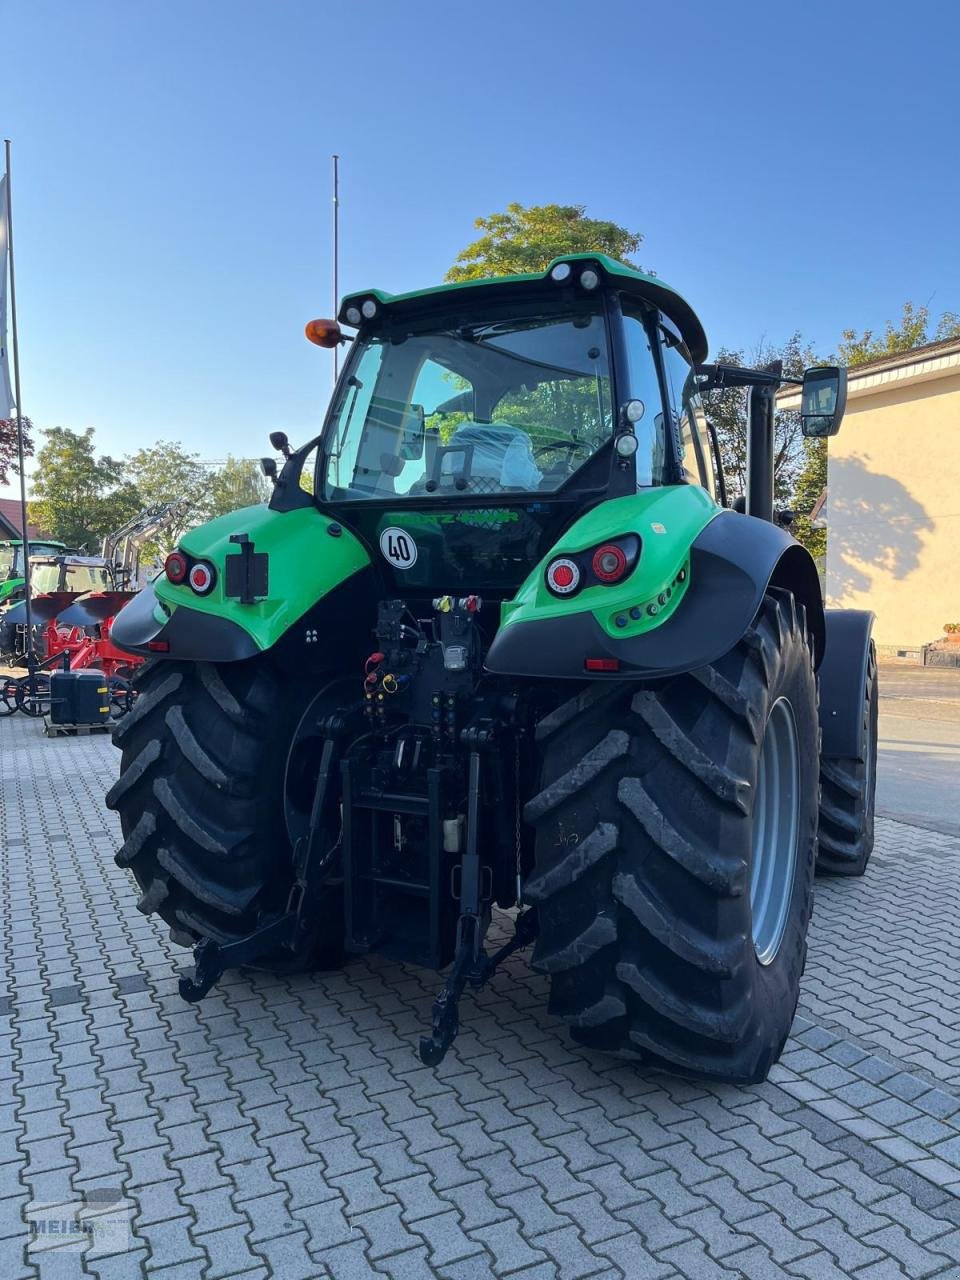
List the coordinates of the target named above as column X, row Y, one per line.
column 336, row 256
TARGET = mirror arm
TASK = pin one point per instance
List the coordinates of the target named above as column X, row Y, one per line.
column 714, row 377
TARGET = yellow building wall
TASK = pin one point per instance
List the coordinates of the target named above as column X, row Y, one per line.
column 893, row 510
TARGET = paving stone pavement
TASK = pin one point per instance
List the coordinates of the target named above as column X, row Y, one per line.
column 286, row 1127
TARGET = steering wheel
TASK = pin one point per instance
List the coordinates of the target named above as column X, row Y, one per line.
column 570, row 446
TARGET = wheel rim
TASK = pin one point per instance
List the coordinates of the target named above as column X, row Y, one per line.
column 776, row 820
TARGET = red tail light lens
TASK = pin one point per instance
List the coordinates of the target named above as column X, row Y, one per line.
column 563, row 576
column 203, row 576
column 609, row 562
column 175, row 567
column 601, row 664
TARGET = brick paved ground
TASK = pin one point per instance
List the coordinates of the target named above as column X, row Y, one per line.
column 286, row 1128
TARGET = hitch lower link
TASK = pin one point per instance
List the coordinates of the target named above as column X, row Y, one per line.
column 291, row 930
column 471, row 964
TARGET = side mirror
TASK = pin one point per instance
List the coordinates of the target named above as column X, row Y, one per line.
column 280, row 442
column 822, row 401
column 269, row 468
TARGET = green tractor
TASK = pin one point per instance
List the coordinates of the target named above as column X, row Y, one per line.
column 494, row 641
column 12, row 582
column 11, row 564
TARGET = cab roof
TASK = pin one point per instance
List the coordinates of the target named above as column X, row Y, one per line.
column 34, row 542
column 671, row 303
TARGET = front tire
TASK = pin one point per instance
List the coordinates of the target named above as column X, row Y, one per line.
column 200, row 799
column 652, row 866
column 848, row 789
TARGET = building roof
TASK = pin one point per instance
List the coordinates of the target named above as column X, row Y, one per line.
column 920, row 364
column 10, row 526
column 901, row 359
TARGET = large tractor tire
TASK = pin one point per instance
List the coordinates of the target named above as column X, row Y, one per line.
column 848, row 789
column 201, row 801
column 675, row 841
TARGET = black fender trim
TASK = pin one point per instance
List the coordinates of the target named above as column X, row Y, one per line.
column 135, row 624
column 190, row 634
column 732, row 562
column 335, row 630
column 843, row 682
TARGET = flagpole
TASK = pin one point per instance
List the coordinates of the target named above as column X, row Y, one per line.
column 336, row 256
column 25, row 531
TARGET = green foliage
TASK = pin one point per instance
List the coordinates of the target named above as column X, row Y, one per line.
column 78, row 496
column 162, row 473
column 527, row 239
column 727, row 410
column 8, row 446
column 238, row 483
column 811, row 482
column 911, row 331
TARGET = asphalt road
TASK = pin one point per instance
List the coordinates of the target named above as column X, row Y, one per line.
column 918, row 768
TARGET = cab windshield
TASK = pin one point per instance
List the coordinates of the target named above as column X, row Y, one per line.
column 45, row 577
column 11, row 557
column 494, row 406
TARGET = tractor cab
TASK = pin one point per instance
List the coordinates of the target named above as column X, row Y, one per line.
column 11, row 563
column 473, row 425
column 56, row 581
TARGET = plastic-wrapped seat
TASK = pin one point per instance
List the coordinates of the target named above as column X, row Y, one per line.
column 494, row 456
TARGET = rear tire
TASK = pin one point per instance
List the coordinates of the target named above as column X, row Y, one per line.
column 200, row 799
column 648, row 846
column 848, row 790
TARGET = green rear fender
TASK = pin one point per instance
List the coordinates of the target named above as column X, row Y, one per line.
column 695, row 589
column 308, row 554
column 667, row 521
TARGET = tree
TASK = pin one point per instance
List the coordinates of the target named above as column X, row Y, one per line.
column 811, row 483
column 8, row 446
column 911, row 331
column 727, row 410
column 527, row 239
column 162, row 473
column 79, row 497
column 238, row 483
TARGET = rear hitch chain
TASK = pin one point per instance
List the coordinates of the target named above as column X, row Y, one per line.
column 471, row 964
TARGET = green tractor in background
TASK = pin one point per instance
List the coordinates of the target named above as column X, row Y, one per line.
column 12, row 586
column 11, row 564
column 495, row 641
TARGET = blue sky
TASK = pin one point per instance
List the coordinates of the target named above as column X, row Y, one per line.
column 789, row 166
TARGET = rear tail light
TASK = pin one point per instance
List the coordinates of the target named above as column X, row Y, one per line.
column 563, row 576
column 203, row 577
column 601, row 664
column 175, row 567
column 609, row 562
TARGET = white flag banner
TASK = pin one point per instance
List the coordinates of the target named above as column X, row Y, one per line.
column 6, row 391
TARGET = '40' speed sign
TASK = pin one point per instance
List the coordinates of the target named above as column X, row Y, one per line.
column 399, row 548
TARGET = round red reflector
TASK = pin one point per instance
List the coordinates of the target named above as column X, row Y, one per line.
column 175, row 567
column 563, row 576
column 609, row 563
column 201, row 578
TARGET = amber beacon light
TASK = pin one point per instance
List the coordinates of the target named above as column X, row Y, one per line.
column 323, row 333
